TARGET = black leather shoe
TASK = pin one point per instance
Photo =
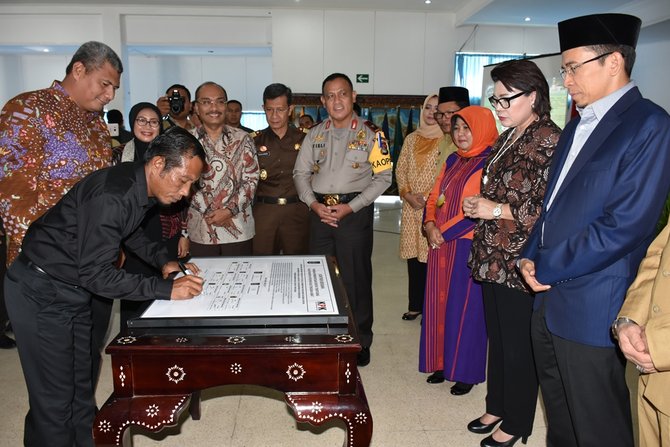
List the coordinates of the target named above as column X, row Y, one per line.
column 363, row 357
column 461, row 388
column 477, row 426
column 490, row 442
column 436, row 377
column 409, row 316
column 6, row 342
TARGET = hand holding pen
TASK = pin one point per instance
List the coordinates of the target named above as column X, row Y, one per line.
column 187, row 286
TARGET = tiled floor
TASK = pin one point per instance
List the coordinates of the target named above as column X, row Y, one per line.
column 406, row 410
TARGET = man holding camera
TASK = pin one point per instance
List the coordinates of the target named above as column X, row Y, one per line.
column 175, row 107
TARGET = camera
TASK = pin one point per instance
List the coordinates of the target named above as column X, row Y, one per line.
column 176, row 102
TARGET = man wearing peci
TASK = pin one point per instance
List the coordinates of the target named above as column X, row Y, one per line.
column 282, row 220
column 606, row 187
column 450, row 101
column 67, row 255
column 343, row 166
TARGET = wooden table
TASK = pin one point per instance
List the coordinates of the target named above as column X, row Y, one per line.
column 156, row 377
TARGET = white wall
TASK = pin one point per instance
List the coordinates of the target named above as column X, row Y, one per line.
column 652, row 64
column 404, row 53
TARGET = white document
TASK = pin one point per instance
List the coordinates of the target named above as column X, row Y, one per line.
column 256, row 286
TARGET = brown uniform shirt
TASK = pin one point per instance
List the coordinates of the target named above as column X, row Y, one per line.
column 276, row 158
column 280, row 228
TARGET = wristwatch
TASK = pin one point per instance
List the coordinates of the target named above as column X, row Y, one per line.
column 618, row 322
column 497, row 211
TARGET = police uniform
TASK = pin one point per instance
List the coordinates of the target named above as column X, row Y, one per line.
column 282, row 220
column 349, row 165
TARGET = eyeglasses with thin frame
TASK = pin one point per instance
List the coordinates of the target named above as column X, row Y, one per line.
column 504, row 103
column 208, row 102
column 449, row 113
column 142, row 122
column 571, row 69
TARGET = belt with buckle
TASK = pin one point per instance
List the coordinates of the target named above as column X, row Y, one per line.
column 277, row 200
column 335, row 199
column 31, row 265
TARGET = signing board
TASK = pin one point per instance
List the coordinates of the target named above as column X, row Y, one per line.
column 256, row 291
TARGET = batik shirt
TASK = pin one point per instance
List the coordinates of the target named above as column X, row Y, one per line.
column 47, row 144
column 228, row 182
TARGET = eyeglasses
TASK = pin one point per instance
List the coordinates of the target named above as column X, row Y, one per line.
column 207, row 102
column 448, row 113
column 571, row 69
column 503, row 102
column 142, row 122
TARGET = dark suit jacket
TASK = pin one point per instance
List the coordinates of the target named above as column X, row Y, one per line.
column 602, row 218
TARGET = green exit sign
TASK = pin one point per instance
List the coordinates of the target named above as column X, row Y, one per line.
column 362, row 78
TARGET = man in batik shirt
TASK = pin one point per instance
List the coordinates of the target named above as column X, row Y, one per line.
column 220, row 222
column 52, row 138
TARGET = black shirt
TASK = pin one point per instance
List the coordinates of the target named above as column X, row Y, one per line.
column 78, row 240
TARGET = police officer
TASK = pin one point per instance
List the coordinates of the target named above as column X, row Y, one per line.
column 343, row 166
column 282, row 220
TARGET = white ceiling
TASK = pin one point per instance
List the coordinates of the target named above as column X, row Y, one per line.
column 468, row 12
column 488, row 12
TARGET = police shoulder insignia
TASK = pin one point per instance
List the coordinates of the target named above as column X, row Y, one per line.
column 305, row 130
column 254, row 134
column 379, row 156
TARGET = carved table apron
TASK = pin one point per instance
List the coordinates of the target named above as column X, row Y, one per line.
column 157, row 376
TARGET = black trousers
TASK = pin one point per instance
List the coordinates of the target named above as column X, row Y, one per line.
column 511, row 382
column 101, row 314
column 52, row 325
column 416, row 276
column 244, row 248
column 584, row 390
column 351, row 245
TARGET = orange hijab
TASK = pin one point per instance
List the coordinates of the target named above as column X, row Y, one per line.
column 482, row 125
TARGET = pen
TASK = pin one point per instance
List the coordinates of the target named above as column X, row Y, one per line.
column 183, row 268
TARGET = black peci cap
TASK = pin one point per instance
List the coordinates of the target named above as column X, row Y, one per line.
column 458, row 94
column 599, row 29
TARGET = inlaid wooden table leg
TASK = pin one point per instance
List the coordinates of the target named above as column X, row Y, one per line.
column 317, row 408
column 152, row 413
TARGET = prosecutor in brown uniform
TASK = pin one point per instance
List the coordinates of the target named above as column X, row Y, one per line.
column 643, row 330
column 282, row 220
column 343, row 166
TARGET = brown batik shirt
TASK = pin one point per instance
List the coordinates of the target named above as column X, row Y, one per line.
column 47, row 144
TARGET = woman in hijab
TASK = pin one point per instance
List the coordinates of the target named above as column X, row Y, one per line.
column 415, row 175
column 162, row 223
column 453, row 334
